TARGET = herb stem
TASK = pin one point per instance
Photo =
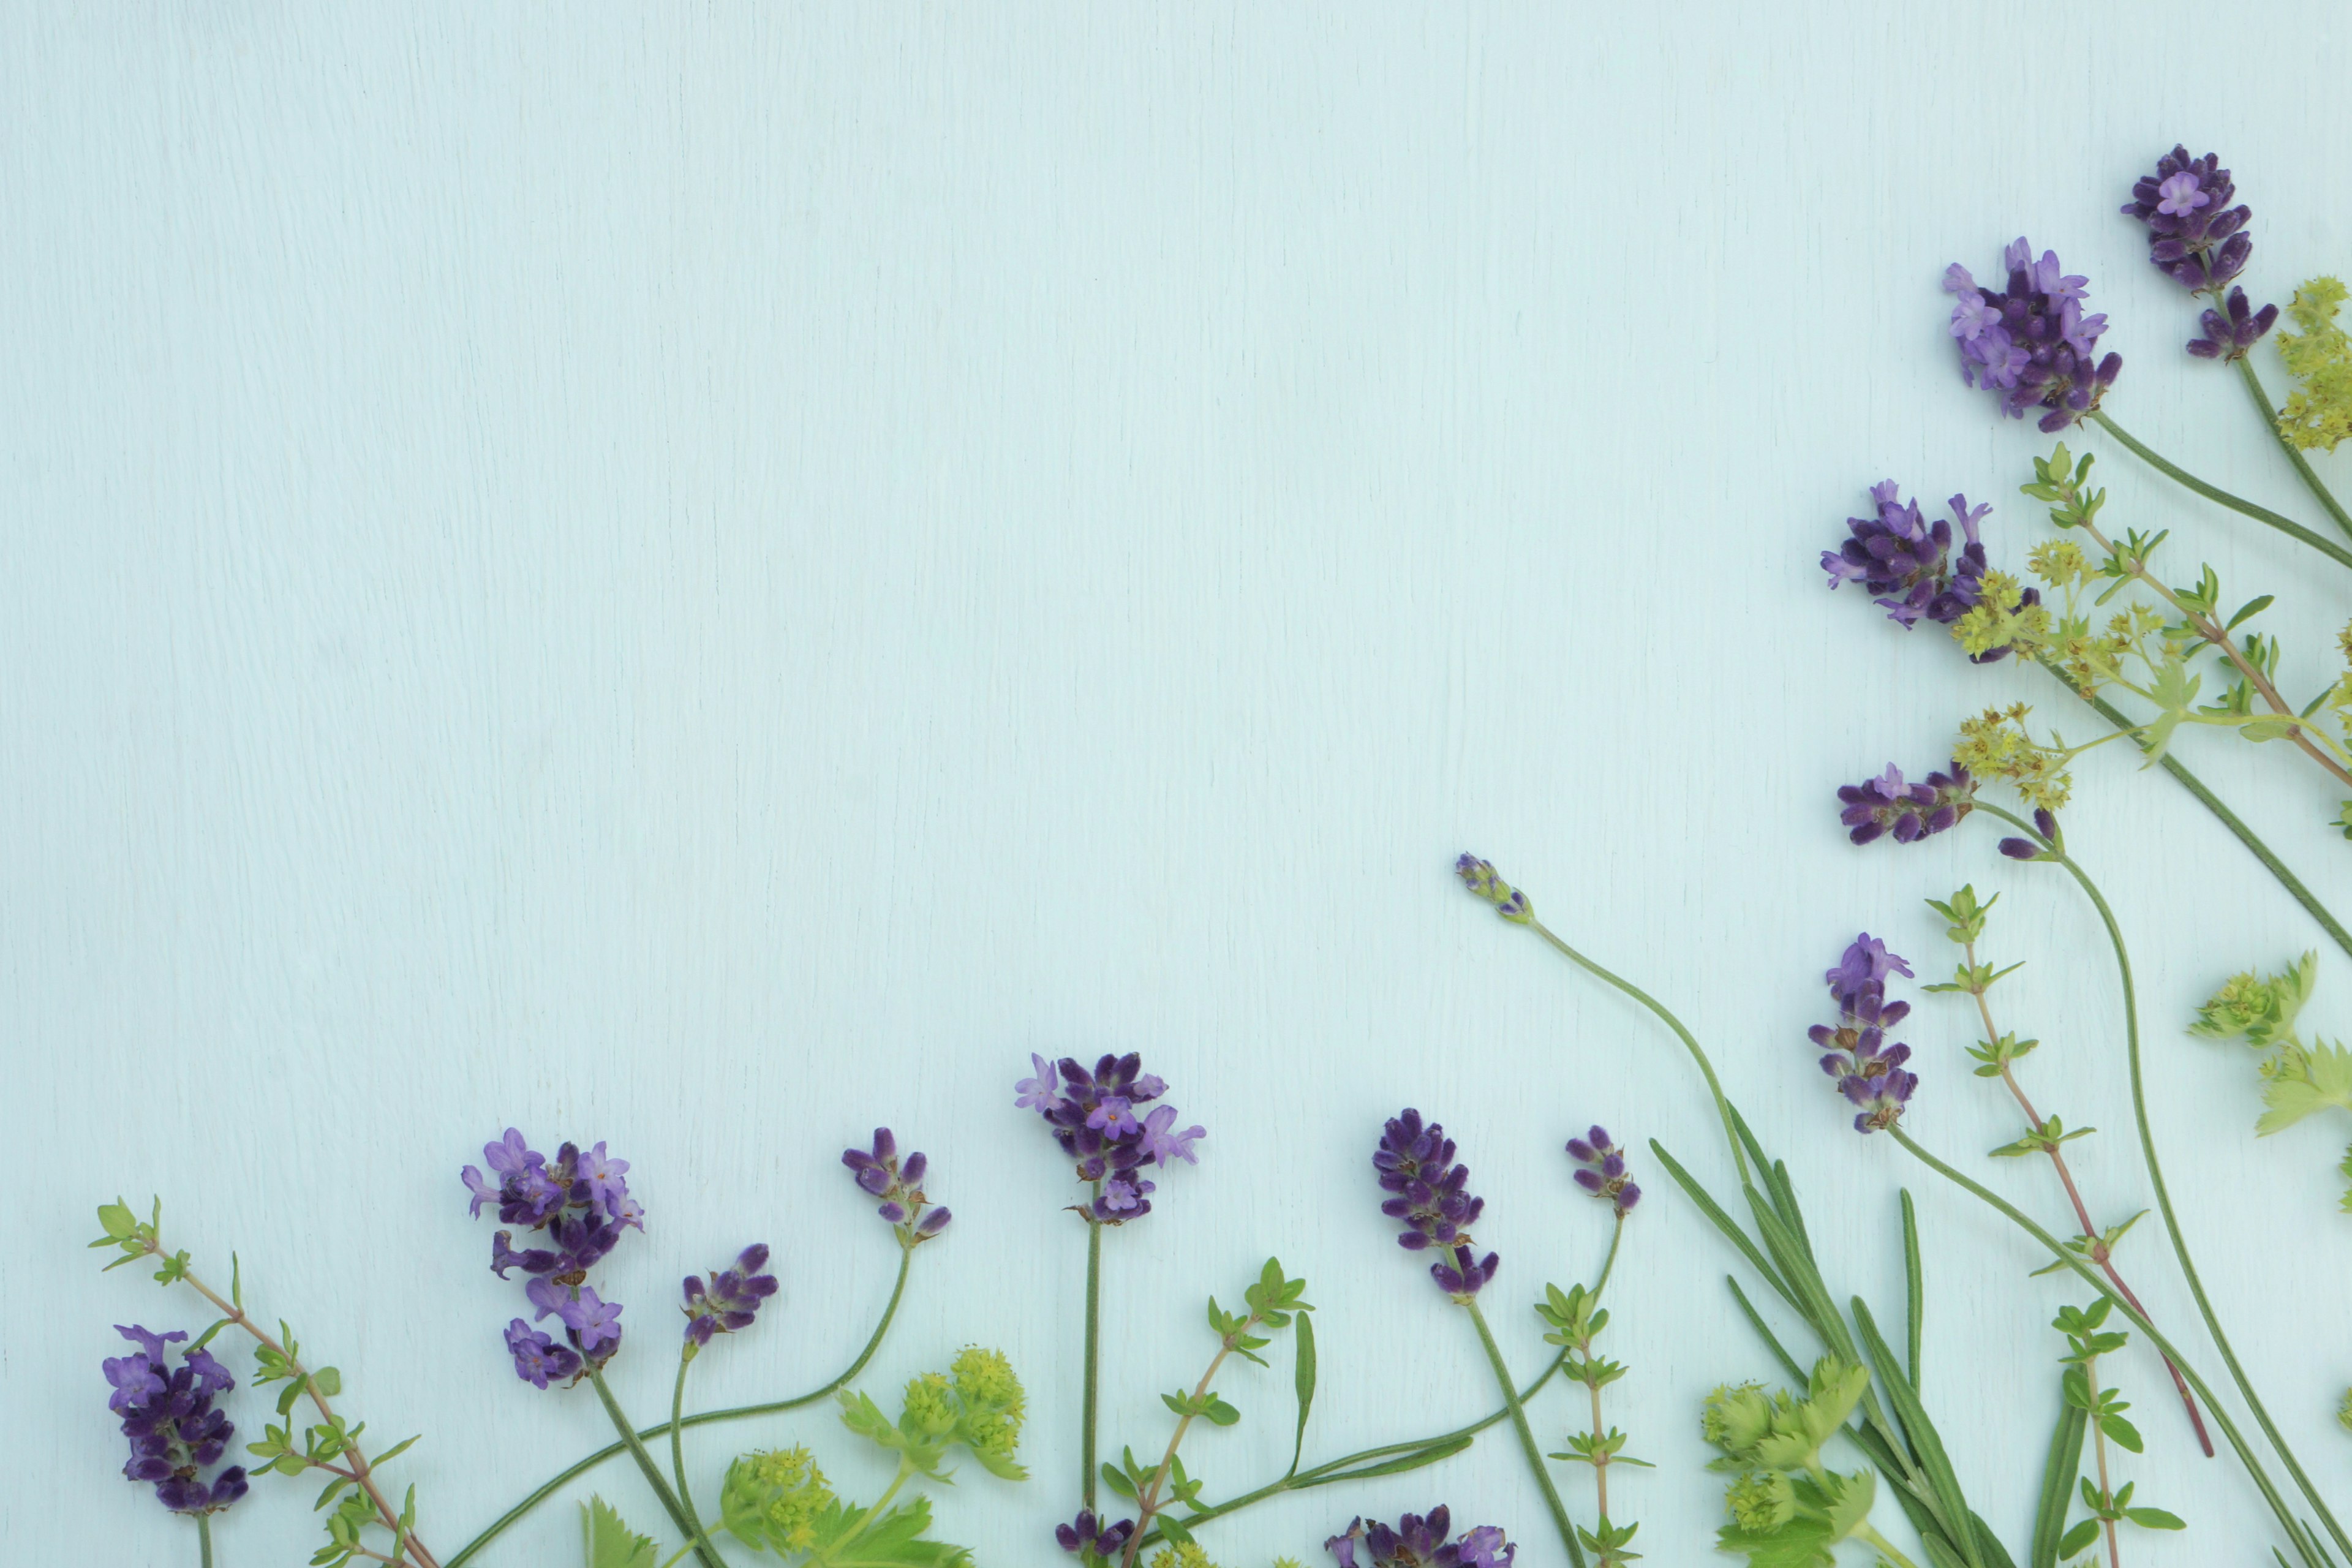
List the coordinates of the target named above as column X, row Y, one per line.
column 205, row 1540
column 2163, row 1195
column 1527, row 1434
column 2229, row 819
column 2058, row 1250
column 1885, row 1548
column 2099, row 1447
column 1090, row 1398
column 654, row 1478
column 2239, row 504
column 2303, row 468
column 1690, row 1042
column 1148, row 1503
column 677, row 1446
column 508, row 1519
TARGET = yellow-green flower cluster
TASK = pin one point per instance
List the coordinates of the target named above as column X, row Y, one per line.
column 992, row 1400
column 2003, row 619
column 2318, row 412
column 1995, row 745
column 1760, row 1501
column 773, row 1499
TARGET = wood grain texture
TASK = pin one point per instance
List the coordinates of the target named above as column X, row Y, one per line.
column 713, row 577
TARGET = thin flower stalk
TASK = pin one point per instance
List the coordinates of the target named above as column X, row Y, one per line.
column 2219, row 496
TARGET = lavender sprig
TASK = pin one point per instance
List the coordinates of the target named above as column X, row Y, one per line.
column 1868, row 1069
column 580, row 1202
column 900, row 1187
column 2031, row 344
column 167, row 1413
column 1418, row 1541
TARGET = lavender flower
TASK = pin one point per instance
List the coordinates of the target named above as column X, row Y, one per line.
column 1908, row 561
column 167, row 1413
column 1087, row 1534
column 733, row 1298
column 880, row 1175
column 2025, row 848
column 1482, row 878
column 2031, row 344
column 1418, row 1542
column 1093, row 1116
column 2228, row 336
column 2195, row 237
column 1604, row 1174
column 1869, row 1071
column 580, row 1204
column 1910, row 812
column 1431, row 1195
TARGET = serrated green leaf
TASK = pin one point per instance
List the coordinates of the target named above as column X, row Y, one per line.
column 612, row 1543
column 2310, row 1078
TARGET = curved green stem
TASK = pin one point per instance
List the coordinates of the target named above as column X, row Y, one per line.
column 2303, row 468
column 2156, row 1170
column 677, row 1446
column 514, row 1515
column 205, row 1540
column 1609, row 1262
column 652, row 1471
column 2229, row 819
column 2138, row 1319
column 1690, row 1042
column 1527, row 1444
column 875, row 1513
column 1088, row 1400
column 2287, row 526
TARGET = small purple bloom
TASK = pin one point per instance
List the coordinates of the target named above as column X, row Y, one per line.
column 595, row 1324
column 1868, row 1069
column 1041, row 1089
column 900, row 1184
column 167, row 1416
column 1481, row 877
column 2030, row 343
column 2195, row 237
column 1414, row 1542
column 1113, row 1117
column 1604, row 1175
column 2180, row 197
column 1163, row 1146
column 538, row 1359
column 1094, row 1116
column 1099, row 1537
column 1910, row 564
column 733, row 1298
column 1885, row 805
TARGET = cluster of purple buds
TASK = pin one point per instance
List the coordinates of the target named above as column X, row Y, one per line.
column 167, row 1413
column 1604, row 1175
column 1100, row 1120
column 1887, row 805
column 1481, row 877
column 2030, row 342
column 1414, row 1542
column 580, row 1204
column 1869, row 1071
column 2195, row 237
column 732, row 1299
column 1100, row 1538
column 899, row 1185
column 2025, row 848
column 1431, row 1195
column 1908, row 562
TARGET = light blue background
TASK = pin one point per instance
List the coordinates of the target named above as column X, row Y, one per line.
column 710, row 577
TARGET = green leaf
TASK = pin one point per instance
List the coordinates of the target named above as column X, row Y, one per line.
column 1117, row 1480
column 1303, row 1383
column 1219, row 1413
column 2307, row 1080
column 610, row 1543
column 846, row 1538
column 1401, row 1464
column 2121, row 1432
column 2154, row 1519
column 1738, row 1238
column 1952, row 1505
column 1915, row 1290
column 2251, row 607
column 2085, row 1531
column 328, row 1381
column 2058, row 1472
column 1764, row 1331
column 1850, row 1498
column 1172, row 1528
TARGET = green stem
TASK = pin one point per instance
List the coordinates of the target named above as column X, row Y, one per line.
column 2312, row 481
column 677, row 1446
column 866, row 1523
column 1088, row 1400
column 2138, row 1319
column 514, row 1515
column 1690, row 1043
column 2155, row 1172
column 2212, row 803
column 1884, row 1547
column 2288, row 526
column 205, row 1540
column 1609, row 1262
column 1527, row 1434
column 668, row 1498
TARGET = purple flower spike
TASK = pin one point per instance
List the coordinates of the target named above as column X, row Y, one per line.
column 1604, row 1174
column 1868, row 1069
column 1885, row 805
column 900, row 1184
column 1908, row 562
column 1414, row 1542
column 2195, row 237
column 2228, row 336
column 1415, row 1163
column 579, row 1203
column 1101, row 1537
column 168, row 1416
column 1099, row 1119
column 2031, row 345
column 733, row 1298
column 2019, row 849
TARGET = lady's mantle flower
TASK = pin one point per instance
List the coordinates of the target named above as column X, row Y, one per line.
column 772, row 1500
column 1869, row 1071
column 167, row 1413
column 733, row 1298
column 1100, row 1538
column 1604, row 1174
column 1887, row 805
column 2031, row 344
column 900, row 1187
column 1909, row 563
column 1483, row 880
column 1414, row 1162
column 579, row 1203
column 1093, row 1115
column 2195, row 237
column 1414, row 1542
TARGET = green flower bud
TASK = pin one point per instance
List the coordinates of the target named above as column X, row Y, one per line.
column 771, row 1500
column 1761, row 1501
column 993, row 1403
column 1736, row 1417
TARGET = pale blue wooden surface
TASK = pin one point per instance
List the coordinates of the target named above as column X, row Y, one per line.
column 711, row 579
